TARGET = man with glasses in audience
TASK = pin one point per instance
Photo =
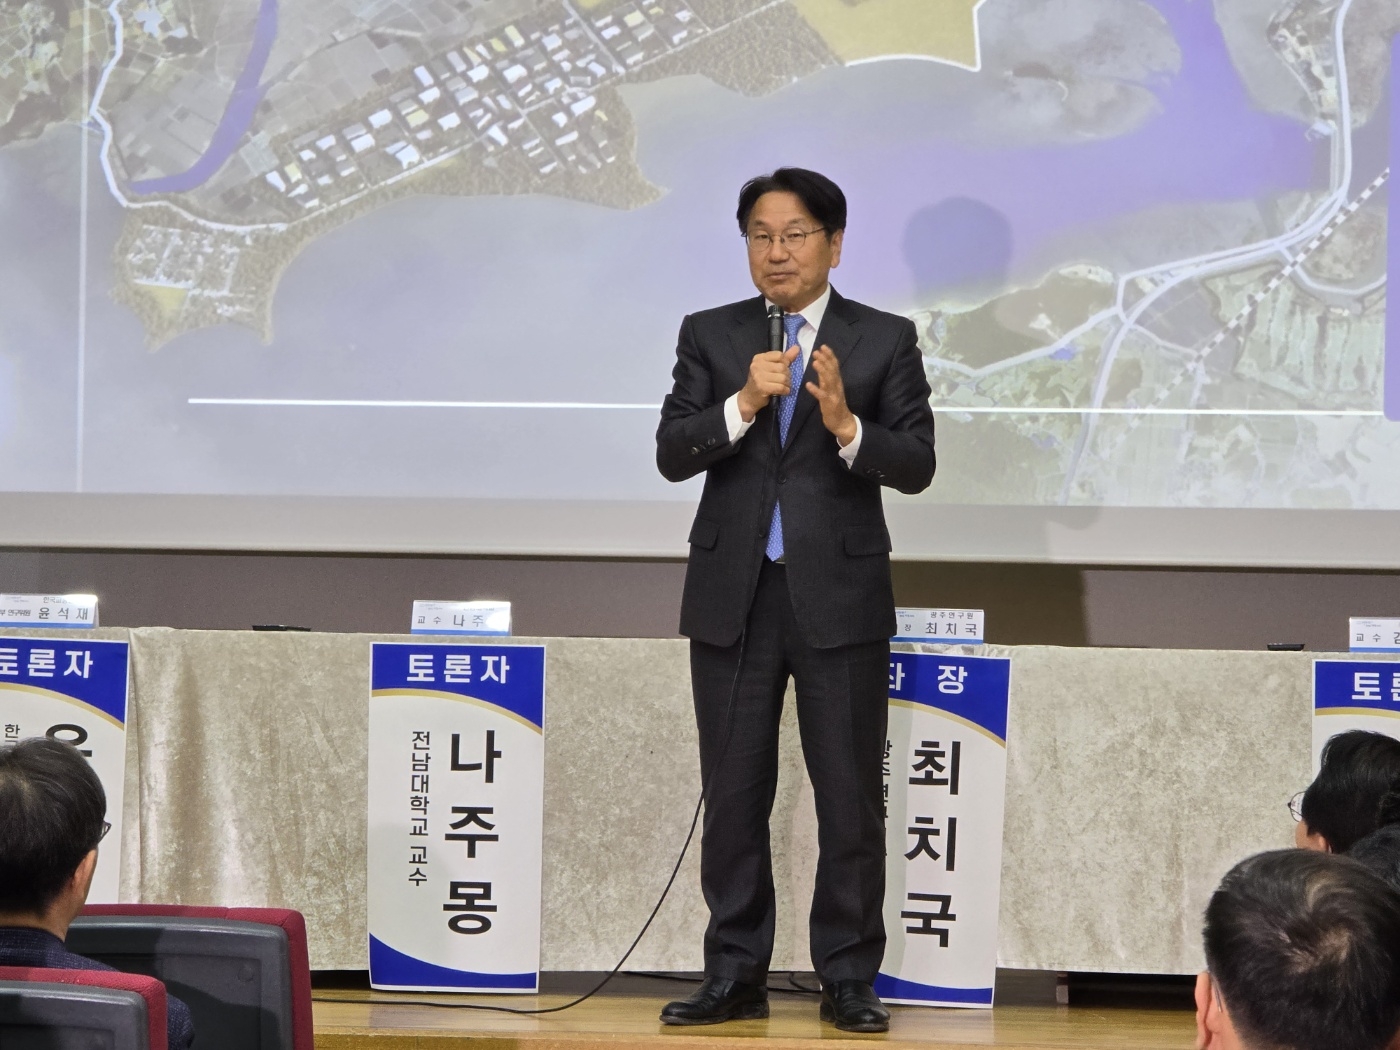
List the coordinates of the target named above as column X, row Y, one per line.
column 789, row 576
column 1303, row 953
column 52, row 810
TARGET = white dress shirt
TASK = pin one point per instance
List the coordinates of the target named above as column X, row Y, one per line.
column 806, row 339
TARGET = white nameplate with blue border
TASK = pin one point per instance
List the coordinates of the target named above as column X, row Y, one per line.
column 74, row 689
column 456, row 816
column 947, row 626
column 486, row 619
column 48, row 610
column 945, row 777
column 1369, row 635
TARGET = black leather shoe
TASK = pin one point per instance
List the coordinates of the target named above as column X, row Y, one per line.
column 719, row 999
column 854, row 1007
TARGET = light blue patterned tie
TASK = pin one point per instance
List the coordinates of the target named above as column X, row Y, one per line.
column 787, row 404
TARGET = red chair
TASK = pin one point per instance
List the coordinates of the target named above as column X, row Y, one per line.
column 32, row 997
column 109, row 931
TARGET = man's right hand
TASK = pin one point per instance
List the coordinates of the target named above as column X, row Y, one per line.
column 770, row 375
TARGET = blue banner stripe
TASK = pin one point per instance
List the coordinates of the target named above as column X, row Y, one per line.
column 974, row 688
column 1356, row 684
column 390, row 966
column 49, row 623
column 464, row 634
column 91, row 671
column 509, row 676
column 897, row 988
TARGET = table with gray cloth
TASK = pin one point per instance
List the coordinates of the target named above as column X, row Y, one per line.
column 1136, row 778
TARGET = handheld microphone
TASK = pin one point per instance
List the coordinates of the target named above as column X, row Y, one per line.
column 775, row 329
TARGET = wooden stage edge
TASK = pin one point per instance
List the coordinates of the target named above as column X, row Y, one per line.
column 1135, row 1017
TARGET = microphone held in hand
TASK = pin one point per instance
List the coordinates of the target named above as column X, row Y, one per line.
column 776, row 342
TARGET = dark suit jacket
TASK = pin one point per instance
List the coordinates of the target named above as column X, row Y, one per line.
column 22, row 946
column 836, row 545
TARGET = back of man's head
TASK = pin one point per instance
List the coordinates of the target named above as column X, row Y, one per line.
column 1304, row 950
column 51, row 811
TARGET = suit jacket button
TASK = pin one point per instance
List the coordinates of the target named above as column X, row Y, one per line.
column 782, row 479
column 695, row 450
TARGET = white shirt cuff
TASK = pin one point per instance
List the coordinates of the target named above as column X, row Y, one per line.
column 735, row 422
column 851, row 451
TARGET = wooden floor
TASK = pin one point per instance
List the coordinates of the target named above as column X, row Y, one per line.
column 627, row 1015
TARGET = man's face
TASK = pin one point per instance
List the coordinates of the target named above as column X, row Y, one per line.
column 792, row 277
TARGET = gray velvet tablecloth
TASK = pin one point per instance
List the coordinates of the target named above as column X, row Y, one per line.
column 1136, row 778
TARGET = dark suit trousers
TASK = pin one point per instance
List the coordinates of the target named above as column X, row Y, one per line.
column 842, row 698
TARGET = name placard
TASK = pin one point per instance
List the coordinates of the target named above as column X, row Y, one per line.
column 472, row 618
column 945, row 777
column 952, row 626
column 74, row 690
column 48, row 610
column 1369, row 635
column 456, row 816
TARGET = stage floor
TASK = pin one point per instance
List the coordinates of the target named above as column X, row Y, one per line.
column 1136, row 1017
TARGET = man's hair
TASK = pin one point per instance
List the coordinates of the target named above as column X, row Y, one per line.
column 1380, row 851
column 1344, row 803
column 818, row 194
column 51, row 811
column 1304, row 948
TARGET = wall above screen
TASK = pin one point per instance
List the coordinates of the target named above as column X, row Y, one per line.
column 1076, row 535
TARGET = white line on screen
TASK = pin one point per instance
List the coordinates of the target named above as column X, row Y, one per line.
column 1019, row 410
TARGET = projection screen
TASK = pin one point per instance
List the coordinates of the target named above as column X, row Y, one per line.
column 406, row 275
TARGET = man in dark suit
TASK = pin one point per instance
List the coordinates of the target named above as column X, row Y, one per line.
column 51, row 819
column 789, row 575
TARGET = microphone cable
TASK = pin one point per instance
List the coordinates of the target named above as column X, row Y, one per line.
column 670, row 882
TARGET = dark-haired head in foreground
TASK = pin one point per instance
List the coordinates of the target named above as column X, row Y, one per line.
column 1356, row 791
column 52, row 810
column 1303, row 953
column 1380, row 851
column 51, row 817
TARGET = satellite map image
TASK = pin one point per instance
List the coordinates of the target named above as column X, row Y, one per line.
column 442, row 247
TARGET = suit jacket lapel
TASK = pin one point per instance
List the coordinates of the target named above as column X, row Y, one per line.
column 839, row 332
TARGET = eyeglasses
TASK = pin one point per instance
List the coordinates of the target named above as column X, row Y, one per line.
column 1295, row 806
column 791, row 240
column 106, row 827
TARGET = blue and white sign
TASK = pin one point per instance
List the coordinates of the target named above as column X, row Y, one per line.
column 456, row 816
column 1351, row 694
column 472, row 618
column 1369, row 635
column 945, row 777
column 74, row 690
column 945, row 626
column 48, row 610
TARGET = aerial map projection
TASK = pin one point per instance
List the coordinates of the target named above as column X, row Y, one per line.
column 442, row 248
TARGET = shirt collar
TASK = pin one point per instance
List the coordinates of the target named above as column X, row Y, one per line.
column 813, row 312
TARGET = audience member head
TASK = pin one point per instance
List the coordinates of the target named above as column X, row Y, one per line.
column 1303, row 951
column 1380, row 851
column 1356, row 791
column 51, row 819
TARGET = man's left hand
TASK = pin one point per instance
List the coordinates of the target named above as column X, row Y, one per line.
column 831, row 396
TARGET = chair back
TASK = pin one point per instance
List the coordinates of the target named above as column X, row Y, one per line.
column 50, row 1009
column 235, row 974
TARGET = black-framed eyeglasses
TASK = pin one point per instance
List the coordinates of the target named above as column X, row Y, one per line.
column 106, row 827
column 1295, row 806
column 791, row 240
